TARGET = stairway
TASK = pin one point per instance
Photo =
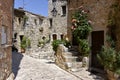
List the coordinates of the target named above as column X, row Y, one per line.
column 72, row 59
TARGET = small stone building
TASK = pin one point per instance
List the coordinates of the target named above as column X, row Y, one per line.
column 6, row 24
column 100, row 13
column 57, row 14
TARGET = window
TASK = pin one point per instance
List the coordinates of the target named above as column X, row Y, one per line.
column 61, row 36
column 53, row 1
column 15, row 36
column 35, row 21
column 4, row 35
column 63, row 10
column 19, row 19
column 21, row 37
column 40, row 21
column 51, row 21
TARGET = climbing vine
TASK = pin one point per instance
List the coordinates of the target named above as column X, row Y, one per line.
column 81, row 27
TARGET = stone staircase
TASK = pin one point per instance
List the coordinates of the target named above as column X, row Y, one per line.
column 73, row 61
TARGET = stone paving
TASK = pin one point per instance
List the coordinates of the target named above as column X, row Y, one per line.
column 28, row 68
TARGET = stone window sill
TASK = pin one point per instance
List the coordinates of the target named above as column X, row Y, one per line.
column 5, row 46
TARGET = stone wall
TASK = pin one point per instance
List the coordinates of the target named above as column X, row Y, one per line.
column 6, row 23
column 35, row 28
column 60, row 57
column 59, row 21
column 101, row 13
column 98, row 12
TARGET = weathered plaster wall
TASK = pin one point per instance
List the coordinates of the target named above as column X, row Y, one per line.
column 98, row 11
column 6, row 23
column 117, row 24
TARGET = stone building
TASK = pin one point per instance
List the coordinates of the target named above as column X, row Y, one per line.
column 37, row 29
column 30, row 25
column 6, row 24
column 57, row 14
column 100, row 12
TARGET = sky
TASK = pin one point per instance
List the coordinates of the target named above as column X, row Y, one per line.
column 35, row 6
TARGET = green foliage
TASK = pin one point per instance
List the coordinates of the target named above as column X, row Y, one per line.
column 110, row 41
column 107, row 57
column 66, row 43
column 83, row 27
column 56, row 43
column 84, row 47
column 25, row 42
column 110, row 59
column 41, row 43
column 116, row 6
column 117, row 64
column 25, row 19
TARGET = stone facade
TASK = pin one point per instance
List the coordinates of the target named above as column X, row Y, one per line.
column 36, row 28
column 98, row 13
column 6, row 23
column 57, row 13
column 31, row 25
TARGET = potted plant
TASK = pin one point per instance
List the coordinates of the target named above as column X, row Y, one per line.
column 24, row 44
column 84, row 49
column 110, row 59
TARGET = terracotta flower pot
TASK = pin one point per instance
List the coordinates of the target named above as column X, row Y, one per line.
column 110, row 75
column 22, row 50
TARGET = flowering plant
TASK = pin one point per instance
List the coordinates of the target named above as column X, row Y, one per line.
column 81, row 27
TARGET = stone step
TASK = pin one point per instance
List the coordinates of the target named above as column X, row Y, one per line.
column 73, row 48
column 75, row 66
column 71, row 53
column 75, row 53
column 67, row 53
column 71, row 58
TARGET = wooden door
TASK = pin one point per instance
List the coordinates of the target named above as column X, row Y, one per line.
column 97, row 43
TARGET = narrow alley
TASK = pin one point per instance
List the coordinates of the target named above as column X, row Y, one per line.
column 27, row 68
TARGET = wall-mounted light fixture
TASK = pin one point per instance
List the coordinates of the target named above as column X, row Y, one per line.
column 54, row 12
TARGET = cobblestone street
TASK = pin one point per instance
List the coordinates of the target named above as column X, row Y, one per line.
column 27, row 68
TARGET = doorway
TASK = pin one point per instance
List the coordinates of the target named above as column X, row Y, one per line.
column 97, row 43
column 54, row 37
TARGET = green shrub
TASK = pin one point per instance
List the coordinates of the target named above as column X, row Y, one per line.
column 84, row 47
column 41, row 43
column 25, row 42
column 107, row 57
column 110, row 59
column 81, row 27
column 56, row 43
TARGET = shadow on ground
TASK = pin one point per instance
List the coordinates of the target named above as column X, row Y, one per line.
column 16, row 59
